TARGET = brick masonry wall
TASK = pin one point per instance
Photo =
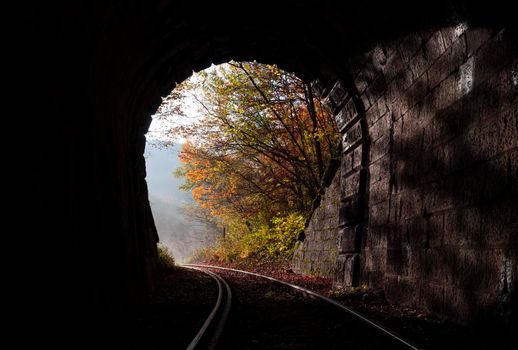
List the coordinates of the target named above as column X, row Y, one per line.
column 316, row 255
column 429, row 172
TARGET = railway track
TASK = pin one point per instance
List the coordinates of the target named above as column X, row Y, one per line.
column 216, row 324
column 210, row 332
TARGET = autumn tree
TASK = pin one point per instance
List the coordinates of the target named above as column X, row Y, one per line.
column 261, row 145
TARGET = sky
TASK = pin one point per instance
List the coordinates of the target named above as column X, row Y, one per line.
column 175, row 229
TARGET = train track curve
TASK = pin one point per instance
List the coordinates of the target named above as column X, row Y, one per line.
column 383, row 330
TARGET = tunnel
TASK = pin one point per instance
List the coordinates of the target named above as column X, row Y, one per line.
column 415, row 223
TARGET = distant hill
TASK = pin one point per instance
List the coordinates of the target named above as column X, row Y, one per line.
column 175, row 230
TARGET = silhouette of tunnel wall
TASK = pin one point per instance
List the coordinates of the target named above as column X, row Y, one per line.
column 96, row 71
column 427, row 184
column 428, row 175
column 438, row 221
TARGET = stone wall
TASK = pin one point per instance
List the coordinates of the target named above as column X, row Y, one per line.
column 429, row 170
column 100, row 69
column 316, row 253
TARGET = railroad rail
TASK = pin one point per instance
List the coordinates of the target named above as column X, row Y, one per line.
column 217, row 318
column 350, row 311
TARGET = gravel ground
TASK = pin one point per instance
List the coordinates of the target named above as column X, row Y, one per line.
column 266, row 315
column 174, row 312
column 426, row 330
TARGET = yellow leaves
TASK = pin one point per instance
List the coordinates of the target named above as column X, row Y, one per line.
column 253, row 153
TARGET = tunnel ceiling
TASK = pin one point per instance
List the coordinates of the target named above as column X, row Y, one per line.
column 167, row 40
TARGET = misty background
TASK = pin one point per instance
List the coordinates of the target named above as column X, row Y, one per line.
column 177, row 230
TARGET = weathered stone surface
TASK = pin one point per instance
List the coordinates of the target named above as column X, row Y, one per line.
column 349, row 211
column 351, row 137
column 346, row 116
column 317, row 254
column 441, row 172
column 475, row 38
column 100, row 77
column 434, row 47
column 448, row 62
column 410, row 45
column 348, row 239
column 338, row 95
column 346, row 264
column 350, row 185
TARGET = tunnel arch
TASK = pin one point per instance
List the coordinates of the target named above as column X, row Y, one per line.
column 116, row 61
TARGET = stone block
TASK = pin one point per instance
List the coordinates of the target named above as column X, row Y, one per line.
column 450, row 34
column 404, row 79
column 318, row 87
column 380, row 128
column 351, row 137
column 346, row 116
column 361, row 81
column 492, row 56
column 417, row 91
column 357, row 156
column 394, row 66
column 410, row 45
column 447, row 63
column 399, row 107
column 395, row 208
column 411, row 204
column 419, row 64
column 434, row 47
column 495, row 137
column 380, row 147
column 379, row 57
column 380, row 169
column 376, row 111
column 403, row 291
column 427, row 33
column 376, row 89
column 350, row 185
column 348, row 238
column 376, row 238
column 329, row 104
column 445, row 94
column 347, row 163
column 338, row 95
column 378, row 214
column 379, row 192
column 475, row 38
column 365, row 101
column 439, row 195
column 347, row 269
column 374, row 260
column 349, row 212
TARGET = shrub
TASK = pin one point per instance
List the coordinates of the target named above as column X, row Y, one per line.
column 269, row 242
column 165, row 257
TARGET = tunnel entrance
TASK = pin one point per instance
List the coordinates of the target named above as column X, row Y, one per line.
column 425, row 100
column 252, row 144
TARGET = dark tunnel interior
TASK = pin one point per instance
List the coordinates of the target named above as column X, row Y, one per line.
column 96, row 71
